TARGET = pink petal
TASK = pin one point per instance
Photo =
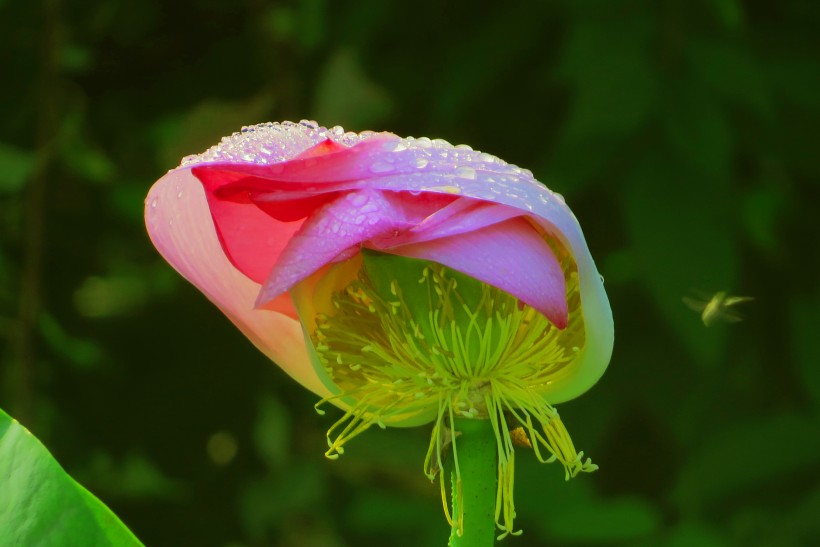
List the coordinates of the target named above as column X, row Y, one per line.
column 180, row 226
column 326, row 162
column 251, row 238
column 342, row 225
column 256, row 208
column 325, row 147
column 511, row 256
column 461, row 216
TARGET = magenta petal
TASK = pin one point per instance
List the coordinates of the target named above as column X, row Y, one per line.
column 511, row 256
column 318, row 169
column 339, row 226
column 257, row 208
column 461, row 216
column 252, row 239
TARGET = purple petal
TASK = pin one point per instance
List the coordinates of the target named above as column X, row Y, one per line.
column 461, row 216
column 511, row 256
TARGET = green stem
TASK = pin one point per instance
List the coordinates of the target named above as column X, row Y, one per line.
column 475, row 451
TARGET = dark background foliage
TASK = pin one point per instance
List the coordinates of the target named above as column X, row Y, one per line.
column 682, row 132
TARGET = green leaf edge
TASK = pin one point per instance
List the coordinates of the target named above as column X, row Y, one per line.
column 77, row 509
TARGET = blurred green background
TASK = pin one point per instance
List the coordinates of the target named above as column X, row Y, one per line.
column 683, row 133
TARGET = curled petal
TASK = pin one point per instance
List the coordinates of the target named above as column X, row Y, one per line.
column 459, row 217
column 251, row 238
column 180, row 226
column 511, row 256
column 340, row 227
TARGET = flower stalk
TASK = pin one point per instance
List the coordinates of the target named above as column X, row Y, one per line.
column 473, row 470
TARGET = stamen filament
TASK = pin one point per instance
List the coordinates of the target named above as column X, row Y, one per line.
column 474, row 353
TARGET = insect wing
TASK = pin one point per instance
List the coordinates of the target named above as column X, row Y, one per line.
column 695, row 304
column 733, row 300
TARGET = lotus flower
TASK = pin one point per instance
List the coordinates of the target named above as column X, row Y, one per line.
column 405, row 280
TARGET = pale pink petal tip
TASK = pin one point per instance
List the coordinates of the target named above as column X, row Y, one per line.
column 179, row 224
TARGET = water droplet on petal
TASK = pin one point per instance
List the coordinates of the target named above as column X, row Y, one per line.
column 465, row 172
column 357, row 199
column 394, row 146
column 179, row 195
column 154, row 203
column 421, row 163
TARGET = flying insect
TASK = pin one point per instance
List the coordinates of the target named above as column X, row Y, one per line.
column 718, row 308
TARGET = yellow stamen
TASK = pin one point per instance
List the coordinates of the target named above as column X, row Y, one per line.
column 487, row 357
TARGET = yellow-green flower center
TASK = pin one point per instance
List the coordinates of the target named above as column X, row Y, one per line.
column 432, row 344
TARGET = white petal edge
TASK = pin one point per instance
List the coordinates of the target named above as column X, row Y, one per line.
column 594, row 358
